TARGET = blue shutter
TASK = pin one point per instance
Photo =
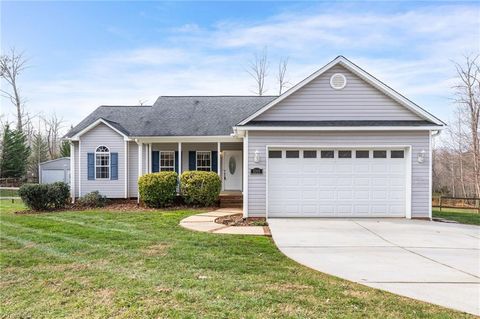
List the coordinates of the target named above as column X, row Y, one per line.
column 214, row 161
column 176, row 162
column 155, row 161
column 192, row 160
column 114, row 166
column 91, row 166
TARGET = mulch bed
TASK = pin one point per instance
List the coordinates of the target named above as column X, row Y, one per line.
column 118, row 205
column 238, row 220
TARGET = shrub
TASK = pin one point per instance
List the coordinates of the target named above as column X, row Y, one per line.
column 45, row 196
column 92, row 199
column 158, row 189
column 200, row 188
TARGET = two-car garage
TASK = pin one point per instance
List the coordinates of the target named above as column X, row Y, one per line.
column 338, row 182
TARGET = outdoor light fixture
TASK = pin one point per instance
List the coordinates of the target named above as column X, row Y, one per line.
column 421, row 156
column 256, row 158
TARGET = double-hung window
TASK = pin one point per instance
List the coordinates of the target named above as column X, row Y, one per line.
column 204, row 161
column 167, row 160
column 102, row 163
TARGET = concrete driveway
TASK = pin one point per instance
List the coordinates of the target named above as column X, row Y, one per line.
column 430, row 261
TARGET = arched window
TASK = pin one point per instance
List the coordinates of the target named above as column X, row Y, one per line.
column 102, row 162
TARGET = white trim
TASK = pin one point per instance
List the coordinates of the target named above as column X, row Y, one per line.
column 72, row 171
column 359, row 72
column 218, row 160
column 245, row 175
column 344, row 81
column 160, row 159
column 338, row 128
column 430, row 168
column 94, row 124
column 408, row 183
column 126, row 169
column 179, row 148
column 140, row 168
column 109, row 164
column 80, row 168
column 188, row 139
column 196, row 159
column 407, row 158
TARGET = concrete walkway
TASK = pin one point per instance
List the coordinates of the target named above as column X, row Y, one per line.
column 205, row 222
column 430, row 261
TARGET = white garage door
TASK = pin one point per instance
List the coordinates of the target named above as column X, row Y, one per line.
column 53, row 175
column 336, row 183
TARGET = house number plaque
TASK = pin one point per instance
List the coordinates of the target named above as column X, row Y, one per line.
column 256, row 170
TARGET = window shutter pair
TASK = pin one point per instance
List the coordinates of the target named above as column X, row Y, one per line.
column 113, row 166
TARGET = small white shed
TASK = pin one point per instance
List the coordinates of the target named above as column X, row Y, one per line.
column 57, row 170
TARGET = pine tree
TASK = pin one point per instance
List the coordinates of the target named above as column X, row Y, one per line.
column 15, row 153
column 65, row 149
column 39, row 154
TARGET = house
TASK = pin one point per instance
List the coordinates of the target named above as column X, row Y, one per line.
column 56, row 170
column 338, row 144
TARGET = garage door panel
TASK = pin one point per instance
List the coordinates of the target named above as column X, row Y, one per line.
column 338, row 187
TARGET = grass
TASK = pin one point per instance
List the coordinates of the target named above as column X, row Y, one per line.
column 464, row 216
column 8, row 192
column 101, row 264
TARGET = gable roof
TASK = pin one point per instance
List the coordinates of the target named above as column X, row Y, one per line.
column 340, row 60
column 176, row 116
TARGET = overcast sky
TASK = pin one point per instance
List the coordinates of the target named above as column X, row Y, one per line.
column 86, row 54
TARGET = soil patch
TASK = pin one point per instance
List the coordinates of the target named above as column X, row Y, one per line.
column 238, row 220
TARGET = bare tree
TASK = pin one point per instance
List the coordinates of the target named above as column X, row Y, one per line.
column 468, row 101
column 11, row 66
column 282, row 71
column 52, row 127
column 258, row 70
column 142, row 102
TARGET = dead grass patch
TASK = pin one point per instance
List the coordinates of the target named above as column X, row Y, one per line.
column 156, row 250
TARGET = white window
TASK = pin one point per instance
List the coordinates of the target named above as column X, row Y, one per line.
column 204, row 161
column 167, row 161
column 102, row 163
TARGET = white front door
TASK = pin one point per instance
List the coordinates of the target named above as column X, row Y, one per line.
column 232, row 170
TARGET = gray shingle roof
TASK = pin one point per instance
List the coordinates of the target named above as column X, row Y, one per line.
column 178, row 115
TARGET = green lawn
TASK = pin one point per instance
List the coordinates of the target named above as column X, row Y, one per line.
column 100, row 264
column 464, row 216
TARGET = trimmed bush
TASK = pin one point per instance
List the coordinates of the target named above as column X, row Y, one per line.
column 158, row 189
column 200, row 188
column 45, row 196
column 92, row 200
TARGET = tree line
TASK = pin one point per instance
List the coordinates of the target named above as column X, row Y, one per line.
column 34, row 138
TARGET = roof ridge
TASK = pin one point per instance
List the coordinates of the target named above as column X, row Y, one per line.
column 218, row 95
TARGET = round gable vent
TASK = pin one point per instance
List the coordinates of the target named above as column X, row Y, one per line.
column 338, row 81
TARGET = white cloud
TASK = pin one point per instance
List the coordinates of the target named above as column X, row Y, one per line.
column 409, row 50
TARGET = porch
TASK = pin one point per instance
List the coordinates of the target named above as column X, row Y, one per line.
column 223, row 155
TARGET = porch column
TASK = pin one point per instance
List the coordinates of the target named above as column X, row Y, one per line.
column 179, row 158
column 72, row 171
column 140, row 166
column 245, row 175
column 218, row 158
column 149, row 156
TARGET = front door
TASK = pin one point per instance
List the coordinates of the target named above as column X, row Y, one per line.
column 232, row 170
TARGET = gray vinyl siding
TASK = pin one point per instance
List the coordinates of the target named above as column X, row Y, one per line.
column 102, row 135
column 419, row 140
column 317, row 101
column 132, row 169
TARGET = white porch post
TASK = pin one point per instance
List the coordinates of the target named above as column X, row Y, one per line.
column 140, row 166
column 218, row 158
column 179, row 158
column 126, row 169
column 72, row 171
column 245, row 175
column 150, row 160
